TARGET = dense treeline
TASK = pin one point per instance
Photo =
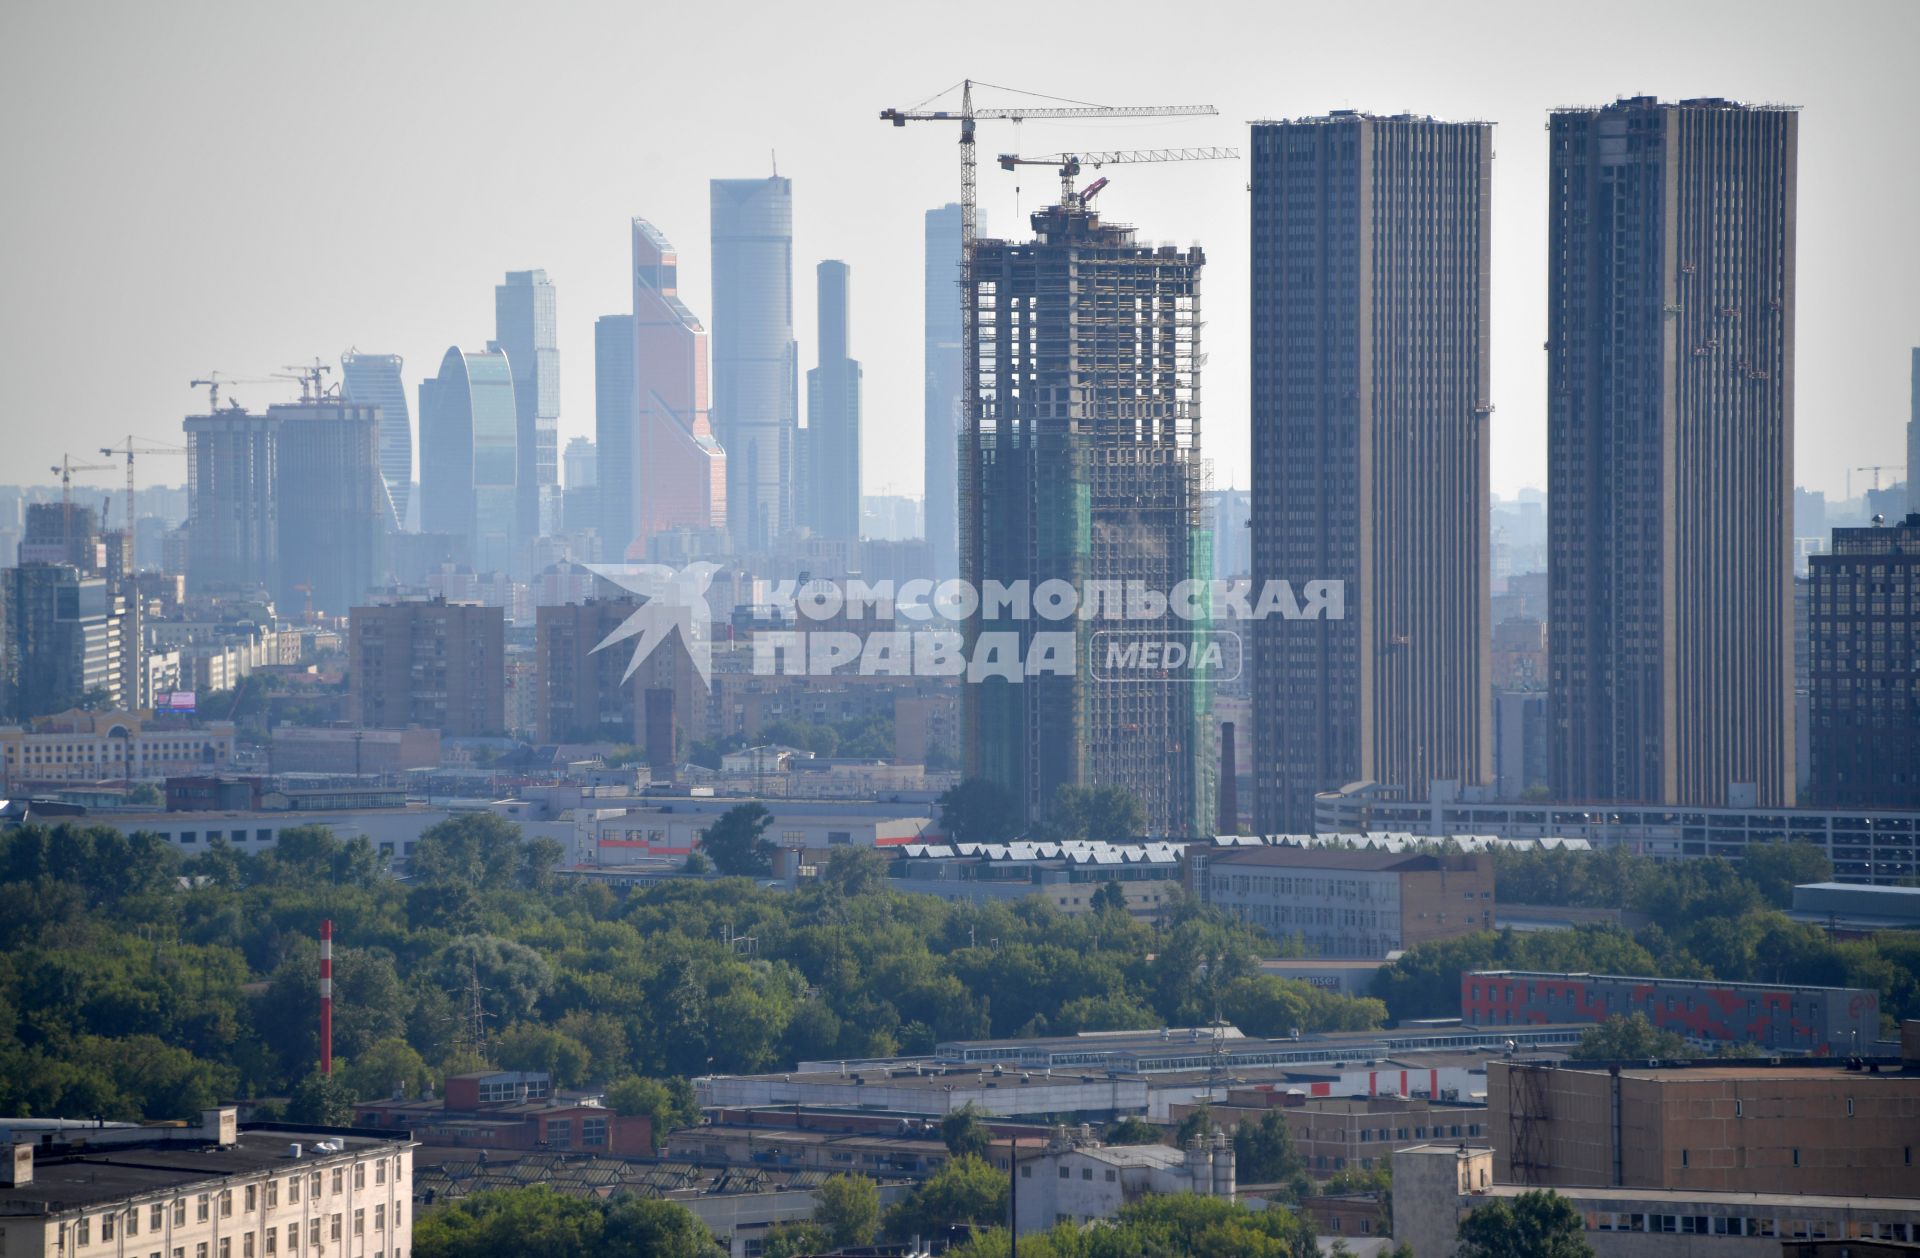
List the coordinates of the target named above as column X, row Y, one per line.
column 135, row 983
column 1703, row 919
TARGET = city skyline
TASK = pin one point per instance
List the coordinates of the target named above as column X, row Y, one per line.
column 865, row 192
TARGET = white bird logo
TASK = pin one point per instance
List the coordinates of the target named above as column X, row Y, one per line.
column 670, row 598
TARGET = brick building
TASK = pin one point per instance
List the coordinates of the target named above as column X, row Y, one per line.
column 506, row 1109
column 437, row 664
column 1783, row 1018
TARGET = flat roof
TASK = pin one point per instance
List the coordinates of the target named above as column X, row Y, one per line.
column 1703, row 983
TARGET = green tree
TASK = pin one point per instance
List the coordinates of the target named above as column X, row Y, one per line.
column 386, row 1067
column 1197, row 1125
column 1775, row 869
column 792, row 1240
column 648, row 1227
column 482, row 851
column 668, row 1103
column 736, row 842
column 529, row 1046
column 1093, row 812
column 854, row 871
column 321, row 1099
column 849, row 1210
column 1133, row 1130
column 1632, row 1038
column 965, row 1135
column 1263, row 1153
column 978, row 811
column 145, row 795
column 1536, row 1224
column 964, row 1191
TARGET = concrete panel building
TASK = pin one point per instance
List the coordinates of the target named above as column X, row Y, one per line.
column 940, row 339
column 833, row 415
column 1864, row 668
column 1083, row 464
column 1706, row 1127
column 1347, row 903
column 440, row 665
column 1670, row 451
column 756, row 372
column 375, row 380
column 233, row 522
column 1371, row 298
column 1784, row 1019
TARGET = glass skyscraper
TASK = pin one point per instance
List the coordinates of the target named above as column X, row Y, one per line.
column 755, row 360
column 942, row 417
column 470, row 456
column 613, row 421
column 375, row 378
column 526, row 327
column 833, row 417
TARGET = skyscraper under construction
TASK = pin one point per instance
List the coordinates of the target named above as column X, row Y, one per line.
column 1081, row 463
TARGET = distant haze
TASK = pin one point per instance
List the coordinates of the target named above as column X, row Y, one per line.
column 241, row 186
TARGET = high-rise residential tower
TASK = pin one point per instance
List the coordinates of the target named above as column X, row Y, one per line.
column 942, row 417
column 329, row 488
column 470, row 457
column 833, row 417
column 1370, row 455
column 755, row 361
column 613, row 422
column 233, row 521
column 1864, row 668
column 1670, row 451
column 1913, row 439
column 375, row 378
column 526, row 327
column 1084, row 467
column 678, row 471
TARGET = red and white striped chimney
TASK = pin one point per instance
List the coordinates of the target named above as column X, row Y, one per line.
column 326, row 997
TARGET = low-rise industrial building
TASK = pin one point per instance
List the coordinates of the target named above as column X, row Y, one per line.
column 1349, row 1132
column 105, row 746
column 217, row 1190
column 1065, row 875
column 1435, row 1186
column 1778, row 1017
column 1079, row 1180
column 506, row 1109
column 1709, row 1126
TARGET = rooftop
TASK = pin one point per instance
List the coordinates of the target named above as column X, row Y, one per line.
column 1702, row 984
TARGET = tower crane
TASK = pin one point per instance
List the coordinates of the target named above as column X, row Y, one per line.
column 1876, row 469
column 129, row 449
column 214, row 379
column 1071, row 163
column 66, row 469
column 968, row 117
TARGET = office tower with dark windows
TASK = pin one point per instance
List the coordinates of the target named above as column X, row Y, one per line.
column 1670, row 329
column 526, row 328
column 755, row 361
column 375, row 379
column 68, row 638
column 330, row 492
column 1913, row 439
column 942, row 418
column 1864, row 668
column 833, row 417
column 233, row 534
column 614, row 418
column 580, row 469
column 1370, row 455
column 678, row 471
column 470, row 457
column 1083, row 465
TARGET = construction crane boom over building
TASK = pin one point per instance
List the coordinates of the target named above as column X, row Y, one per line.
column 129, row 449
column 1070, row 164
column 66, row 468
column 968, row 117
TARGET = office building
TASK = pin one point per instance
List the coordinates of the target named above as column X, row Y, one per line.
column 440, row 665
column 1706, row 1126
column 614, row 417
column 679, row 471
column 70, row 638
column 1913, row 440
column 1777, row 1017
column 526, row 329
column 375, row 380
column 943, row 416
column 755, row 360
column 75, row 746
column 1349, row 903
column 833, row 417
column 233, row 534
column 1864, row 668
column 470, row 456
column 1371, row 258
column 1084, row 466
column 217, row 1189
column 1670, row 451
column 328, row 485
column 580, row 495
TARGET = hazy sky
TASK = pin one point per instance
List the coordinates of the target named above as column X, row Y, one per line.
column 240, row 186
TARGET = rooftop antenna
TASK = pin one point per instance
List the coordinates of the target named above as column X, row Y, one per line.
column 773, row 155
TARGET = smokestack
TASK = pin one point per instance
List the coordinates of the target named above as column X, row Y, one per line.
column 326, row 997
column 1228, row 821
